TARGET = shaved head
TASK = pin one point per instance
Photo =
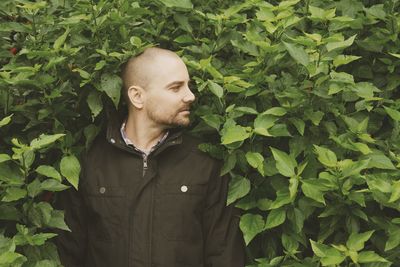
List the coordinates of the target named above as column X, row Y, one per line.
column 139, row 70
column 156, row 88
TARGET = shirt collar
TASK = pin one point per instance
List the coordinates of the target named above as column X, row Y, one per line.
column 129, row 142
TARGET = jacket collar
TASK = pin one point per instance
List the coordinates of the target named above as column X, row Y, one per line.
column 113, row 135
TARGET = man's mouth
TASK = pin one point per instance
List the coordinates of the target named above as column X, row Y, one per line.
column 185, row 109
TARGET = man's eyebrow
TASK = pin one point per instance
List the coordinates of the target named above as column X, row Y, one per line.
column 175, row 83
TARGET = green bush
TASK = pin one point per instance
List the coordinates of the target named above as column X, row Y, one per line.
column 300, row 99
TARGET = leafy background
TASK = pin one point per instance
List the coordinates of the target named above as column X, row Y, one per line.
column 299, row 98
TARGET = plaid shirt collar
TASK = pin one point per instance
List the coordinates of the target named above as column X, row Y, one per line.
column 128, row 142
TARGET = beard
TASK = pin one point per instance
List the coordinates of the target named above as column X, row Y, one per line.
column 169, row 119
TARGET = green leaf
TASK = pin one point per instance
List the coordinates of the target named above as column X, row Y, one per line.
column 293, row 186
column 394, row 238
column 61, row 40
column 326, row 156
column 8, row 212
column 356, row 241
column 100, row 65
column 394, row 114
column 183, row 22
column 379, row 183
column 321, row 14
column 13, row 194
column 277, row 111
column 135, row 41
column 229, row 164
column 395, row 55
column 251, row 225
column 5, row 120
column 49, row 171
column 44, row 140
column 4, row 158
column 94, row 102
column 299, row 124
column 216, row 89
column 34, row 188
column 213, row 120
column 246, row 110
column 263, row 122
column 84, row 74
column 284, row 163
column 314, row 116
column 370, row 256
column 57, row 220
column 320, row 250
column 313, row 192
column 341, row 77
column 233, row 134
column 53, row 185
column 39, row 239
column 380, row 161
column 254, row 159
column 10, row 258
column 239, row 186
column 334, row 258
column 377, row 11
column 328, row 255
column 340, row 45
column 70, row 169
column 275, row 218
column 395, row 192
column 297, row 53
column 186, row 4
column 111, row 84
column 344, row 59
column 290, row 244
column 282, row 198
column 40, row 213
column 353, row 168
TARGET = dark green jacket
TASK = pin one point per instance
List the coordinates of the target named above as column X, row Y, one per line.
column 174, row 216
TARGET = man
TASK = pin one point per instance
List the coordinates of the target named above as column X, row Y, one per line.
column 148, row 197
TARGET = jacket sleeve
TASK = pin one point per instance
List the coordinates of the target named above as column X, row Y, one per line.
column 224, row 245
column 72, row 245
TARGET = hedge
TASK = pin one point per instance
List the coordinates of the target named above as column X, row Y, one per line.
column 299, row 98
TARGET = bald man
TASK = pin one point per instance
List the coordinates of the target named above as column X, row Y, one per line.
column 147, row 196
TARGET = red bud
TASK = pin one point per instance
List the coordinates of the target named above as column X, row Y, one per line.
column 13, row 50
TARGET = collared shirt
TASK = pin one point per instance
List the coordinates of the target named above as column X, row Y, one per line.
column 129, row 142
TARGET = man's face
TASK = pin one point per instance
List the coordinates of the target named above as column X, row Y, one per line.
column 167, row 95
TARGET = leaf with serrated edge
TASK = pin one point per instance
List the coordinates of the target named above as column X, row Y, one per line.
column 251, row 225
column 70, row 168
column 275, row 218
column 239, row 186
column 356, row 240
column 284, row 162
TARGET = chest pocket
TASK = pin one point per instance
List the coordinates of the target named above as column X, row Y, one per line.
column 107, row 206
column 178, row 210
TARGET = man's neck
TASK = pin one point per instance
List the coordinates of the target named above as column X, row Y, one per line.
column 143, row 134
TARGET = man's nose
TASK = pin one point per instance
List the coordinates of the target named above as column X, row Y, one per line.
column 189, row 97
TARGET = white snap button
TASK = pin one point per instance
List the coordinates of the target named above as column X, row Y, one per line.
column 184, row 188
column 112, row 140
column 102, row 190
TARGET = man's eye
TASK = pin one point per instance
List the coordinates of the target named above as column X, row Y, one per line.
column 176, row 88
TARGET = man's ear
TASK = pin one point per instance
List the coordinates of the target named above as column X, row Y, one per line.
column 136, row 97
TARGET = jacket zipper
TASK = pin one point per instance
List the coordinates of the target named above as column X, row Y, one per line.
column 144, row 163
column 145, row 166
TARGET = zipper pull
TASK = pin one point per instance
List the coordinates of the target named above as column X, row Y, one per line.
column 144, row 163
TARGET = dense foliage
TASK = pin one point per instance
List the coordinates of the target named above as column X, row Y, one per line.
column 299, row 98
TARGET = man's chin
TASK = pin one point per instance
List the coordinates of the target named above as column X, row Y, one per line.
column 181, row 123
